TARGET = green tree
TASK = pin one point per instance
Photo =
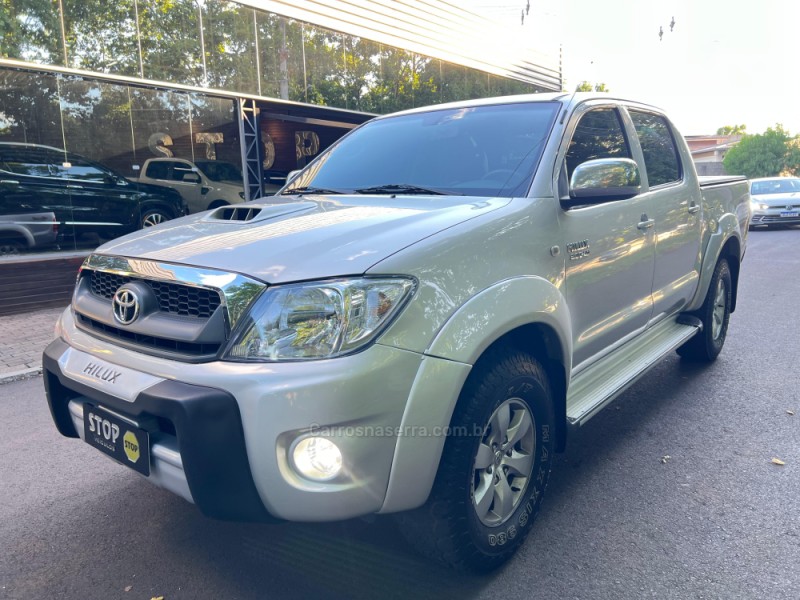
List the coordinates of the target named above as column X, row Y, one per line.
column 773, row 152
column 585, row 86
column 732, row 130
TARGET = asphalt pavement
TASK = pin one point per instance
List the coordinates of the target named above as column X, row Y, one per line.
column 669, row 493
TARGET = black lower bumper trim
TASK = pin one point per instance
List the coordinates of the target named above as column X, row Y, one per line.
column 206, row 422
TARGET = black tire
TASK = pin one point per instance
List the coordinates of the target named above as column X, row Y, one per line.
column 217, row 204
column 715, row 315
column 449, row 528
column 11, row 246
column 154, row 216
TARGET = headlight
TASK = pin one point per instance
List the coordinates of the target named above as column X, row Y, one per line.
column 318, row 319
column 759, row 206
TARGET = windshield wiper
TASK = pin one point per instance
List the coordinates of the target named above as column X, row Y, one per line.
column 401, row 188
column 310, row 190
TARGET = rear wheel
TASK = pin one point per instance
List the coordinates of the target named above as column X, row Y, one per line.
column 715, row 314
column 11, row 246
column 494, row 468
column 217, row 204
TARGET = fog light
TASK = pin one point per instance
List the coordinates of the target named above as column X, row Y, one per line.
column 317, row 458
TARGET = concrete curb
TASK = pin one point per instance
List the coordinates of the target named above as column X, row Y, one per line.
column 21, row 374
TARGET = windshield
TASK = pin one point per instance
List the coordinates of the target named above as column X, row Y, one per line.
column 220, row 171
column 784, row 185
column 479, row 151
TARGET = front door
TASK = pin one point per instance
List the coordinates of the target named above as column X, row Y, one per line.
column 609, row 248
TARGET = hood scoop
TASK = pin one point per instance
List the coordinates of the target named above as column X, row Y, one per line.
column 243, row 213
column 236, row 213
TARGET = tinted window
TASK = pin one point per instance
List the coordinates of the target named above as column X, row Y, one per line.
column 83, row 171
column 220, row 171
column 478, row 151
column 158, row 170
column 660, row 155
column 599, row 135
column 28, row 162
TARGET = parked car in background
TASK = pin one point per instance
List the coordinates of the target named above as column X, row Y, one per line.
column 20, row 232
column 775, row 201
column 85, row 197
column 203, row 184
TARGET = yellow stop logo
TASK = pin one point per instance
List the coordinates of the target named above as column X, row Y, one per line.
column 131, row 446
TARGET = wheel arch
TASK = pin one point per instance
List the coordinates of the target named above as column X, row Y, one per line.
column 17, row 232
column 542, row 342
column 732, row 251
column 724, row 243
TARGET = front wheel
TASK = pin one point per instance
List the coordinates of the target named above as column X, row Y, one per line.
column 494, row 468
column 155, row 216
column 715, row 313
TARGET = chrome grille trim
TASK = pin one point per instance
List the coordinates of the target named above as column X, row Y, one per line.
column 237, row 291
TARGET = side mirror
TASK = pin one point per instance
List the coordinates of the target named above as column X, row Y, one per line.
column 604, row 179
column 191, row 178
column 292, row 175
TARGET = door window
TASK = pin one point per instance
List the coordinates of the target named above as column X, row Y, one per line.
column 658, row 148
column 83, row 171
column 158, row 170
column 599, row 134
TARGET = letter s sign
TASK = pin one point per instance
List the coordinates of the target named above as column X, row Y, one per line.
column 158, row 143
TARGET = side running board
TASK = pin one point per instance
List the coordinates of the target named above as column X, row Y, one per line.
column 595, row 387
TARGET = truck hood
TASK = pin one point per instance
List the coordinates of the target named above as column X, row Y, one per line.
column 309, row 238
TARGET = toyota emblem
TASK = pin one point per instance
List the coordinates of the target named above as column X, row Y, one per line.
column 125, row 306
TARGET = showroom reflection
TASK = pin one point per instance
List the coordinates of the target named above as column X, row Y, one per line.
column 72, row 151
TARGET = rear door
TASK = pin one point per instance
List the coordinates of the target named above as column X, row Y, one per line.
column 101, row 201
column 673, row 201
column 610, row 246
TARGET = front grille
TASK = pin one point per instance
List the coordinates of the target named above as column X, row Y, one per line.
column 175, row 298
column 149, row 341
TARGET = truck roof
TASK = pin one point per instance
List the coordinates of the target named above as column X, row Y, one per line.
column 567, row 98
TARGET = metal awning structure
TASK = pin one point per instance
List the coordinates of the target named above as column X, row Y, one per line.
column 434, row 28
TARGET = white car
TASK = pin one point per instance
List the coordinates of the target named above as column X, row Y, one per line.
column 203, row 184
column 775, row 201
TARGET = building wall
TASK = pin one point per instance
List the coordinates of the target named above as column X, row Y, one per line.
column 228, row 46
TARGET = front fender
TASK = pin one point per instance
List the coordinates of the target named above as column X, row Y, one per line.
column 484, row 319
column 499, row 309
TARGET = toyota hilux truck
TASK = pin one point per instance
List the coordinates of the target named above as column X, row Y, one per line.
column 415, row 324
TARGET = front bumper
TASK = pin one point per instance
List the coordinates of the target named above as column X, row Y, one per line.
column 223, row 430
column 772, row 217
column 198, row 449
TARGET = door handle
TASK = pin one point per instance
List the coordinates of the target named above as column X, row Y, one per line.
column 645, row 223
column 693, row 208
column 9, row 182
column 74, row 187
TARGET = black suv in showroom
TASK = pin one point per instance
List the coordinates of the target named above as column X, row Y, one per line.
column 85, row 197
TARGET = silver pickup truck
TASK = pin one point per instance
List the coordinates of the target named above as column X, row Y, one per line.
column 414, row 325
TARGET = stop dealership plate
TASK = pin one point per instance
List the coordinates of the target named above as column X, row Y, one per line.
column 117, row 438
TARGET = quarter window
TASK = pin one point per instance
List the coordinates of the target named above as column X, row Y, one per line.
column 599, row 134
column 658, row 148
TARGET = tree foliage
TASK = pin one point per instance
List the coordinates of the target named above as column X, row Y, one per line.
column 732, row 129
column 225, row 45
column 585, row 86
column 767, row 154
